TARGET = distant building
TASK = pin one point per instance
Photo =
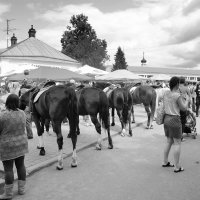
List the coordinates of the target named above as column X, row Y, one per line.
column 147, row 72
column 33, row 52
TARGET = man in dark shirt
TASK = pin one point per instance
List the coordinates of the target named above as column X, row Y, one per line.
column 197, row 90
column 184, row 91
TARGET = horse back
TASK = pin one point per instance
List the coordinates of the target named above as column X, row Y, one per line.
column 119, row 97
column 90, row 99
column 144, row 94
column 55, row 102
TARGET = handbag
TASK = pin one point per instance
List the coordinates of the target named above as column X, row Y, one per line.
column 160, row 113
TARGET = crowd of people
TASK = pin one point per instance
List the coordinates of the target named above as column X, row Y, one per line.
column 15, row 127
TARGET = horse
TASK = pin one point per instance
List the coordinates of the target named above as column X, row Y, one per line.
column 147, row 96
column 92, row 101
column 121, row 100
column 55, row 104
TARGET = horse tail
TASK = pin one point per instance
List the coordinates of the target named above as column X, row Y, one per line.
column 73, row 110
column 125, row 111
column 104, row 110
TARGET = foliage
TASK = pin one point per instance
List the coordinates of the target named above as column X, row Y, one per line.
column 120, row 62
column 80, row 42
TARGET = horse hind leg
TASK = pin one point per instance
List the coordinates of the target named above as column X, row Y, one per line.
column 133, row 116
column 113, row 116
column 40, row 131
column 73, row 134
column 57, row 129
column 123, row 131
column 98, row 129
column 148, row 116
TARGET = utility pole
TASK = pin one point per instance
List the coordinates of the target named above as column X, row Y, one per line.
column 8, row 29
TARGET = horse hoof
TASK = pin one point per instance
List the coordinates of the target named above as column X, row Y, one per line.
column 59, row 168
column 42, row 151
column 130, row 133
column 151, row 127
column 110, row 146
column 133, row 122
column 122, row 134
column 69, row 135
column 74, row 164
column 112, row 124
column 98, row 147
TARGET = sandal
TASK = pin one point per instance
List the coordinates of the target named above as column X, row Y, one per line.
column 179, row 170
column 168, row 165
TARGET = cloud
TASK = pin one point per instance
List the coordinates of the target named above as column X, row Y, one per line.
column 3, row 9
column 191, row 6
column 159, row 28
column 31, row 6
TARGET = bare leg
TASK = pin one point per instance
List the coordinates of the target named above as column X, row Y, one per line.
column 167, row 150
column 177, row 152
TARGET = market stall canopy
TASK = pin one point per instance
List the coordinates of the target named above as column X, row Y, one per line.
column 121, row 74
column 86, row 69
column 52, row 73
column 161, row 77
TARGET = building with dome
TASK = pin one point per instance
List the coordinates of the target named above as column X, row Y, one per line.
column 31, row 53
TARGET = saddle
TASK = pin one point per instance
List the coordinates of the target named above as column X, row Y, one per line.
column 108, row 90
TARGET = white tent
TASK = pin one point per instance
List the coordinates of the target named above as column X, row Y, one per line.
column 161, row 77
column 86, row 69
column 121, row 74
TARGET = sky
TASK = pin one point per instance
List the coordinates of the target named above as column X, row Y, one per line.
column 167, row 31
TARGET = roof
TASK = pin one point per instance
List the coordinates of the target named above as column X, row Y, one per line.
column 161, row 70
column 33, row 48
column 52, row 73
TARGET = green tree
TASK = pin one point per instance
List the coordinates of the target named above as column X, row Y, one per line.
column 80, row 42
column 120, row 62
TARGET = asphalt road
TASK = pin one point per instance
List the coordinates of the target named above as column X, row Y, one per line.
column 132, row 170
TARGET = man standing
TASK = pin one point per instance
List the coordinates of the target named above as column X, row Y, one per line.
column 197, row 90
column 24, row 87
column 185, row 92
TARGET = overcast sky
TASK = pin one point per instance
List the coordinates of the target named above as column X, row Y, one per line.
column 167, row 31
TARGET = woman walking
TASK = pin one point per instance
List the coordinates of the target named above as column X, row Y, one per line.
column 173, row 104
column 13, row 145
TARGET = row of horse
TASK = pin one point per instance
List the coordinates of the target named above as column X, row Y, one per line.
column 59, row 102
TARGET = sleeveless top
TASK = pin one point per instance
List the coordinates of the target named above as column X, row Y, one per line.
column 13, row 138
column 170, row 103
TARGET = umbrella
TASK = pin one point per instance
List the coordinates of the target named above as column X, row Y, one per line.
column 52, row 73
column 121, row 74
column 86, row 69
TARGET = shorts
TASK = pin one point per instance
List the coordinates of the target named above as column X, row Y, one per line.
column 173, row 126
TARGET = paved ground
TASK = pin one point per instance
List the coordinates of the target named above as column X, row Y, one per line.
column 87, row 138
column 132, row 170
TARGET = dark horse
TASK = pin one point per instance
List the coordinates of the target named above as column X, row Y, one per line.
column 120, row 99
column 55, row 104
column 93, row 101
column 147, row 96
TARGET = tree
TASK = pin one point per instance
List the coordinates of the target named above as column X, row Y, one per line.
column 120, row 62
column 80, row 42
